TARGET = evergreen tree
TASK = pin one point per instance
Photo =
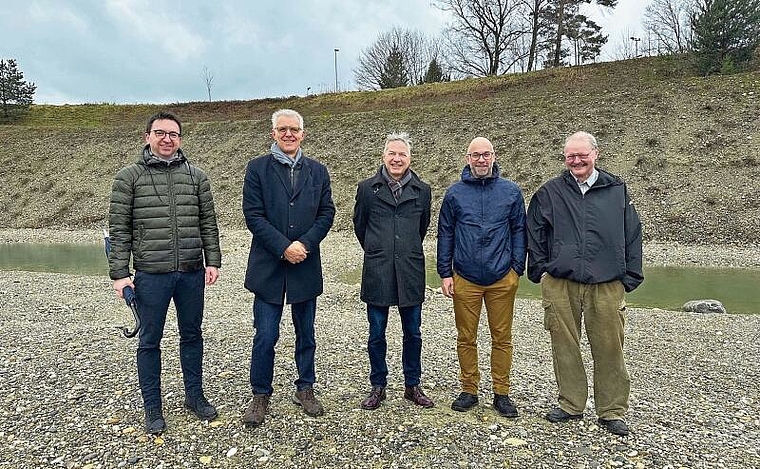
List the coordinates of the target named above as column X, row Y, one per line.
column 394, row 73
column 434, row 73
column 16, row 95
column 726, row 33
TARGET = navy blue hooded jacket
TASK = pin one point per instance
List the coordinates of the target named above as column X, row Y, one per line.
column 481, row 229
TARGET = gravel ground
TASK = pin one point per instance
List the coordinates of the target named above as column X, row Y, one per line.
column 69, row 395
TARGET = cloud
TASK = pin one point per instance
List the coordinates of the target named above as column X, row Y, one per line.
column 159, row 25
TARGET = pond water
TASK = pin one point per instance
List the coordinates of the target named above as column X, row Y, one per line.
column 84, row 259
column 664, row 287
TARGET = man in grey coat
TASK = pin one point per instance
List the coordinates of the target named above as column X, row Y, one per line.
column 391, row 218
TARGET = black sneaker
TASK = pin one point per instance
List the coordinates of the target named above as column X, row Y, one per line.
column 464, row 402
column 557, row 415
column 154, row 421
column 201, row 407
column 504, row 406
column 616, row 426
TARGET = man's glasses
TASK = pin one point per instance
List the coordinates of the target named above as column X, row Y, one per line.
column 284, row 130
column 580, row 156
column 162, row 133
column 486, row 155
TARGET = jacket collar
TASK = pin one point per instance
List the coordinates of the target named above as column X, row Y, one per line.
column 383, row 192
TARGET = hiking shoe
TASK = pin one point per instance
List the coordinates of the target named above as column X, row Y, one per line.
column 375, row 397
column 311, row 405
column 557, row 415
column 415, row 394
column 464, row 402
column 615, row 426
column 201, row 407
column 503, row 405
column 257, row 409
column 154, row 421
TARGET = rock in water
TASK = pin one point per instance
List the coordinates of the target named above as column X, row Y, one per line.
column 704, row 306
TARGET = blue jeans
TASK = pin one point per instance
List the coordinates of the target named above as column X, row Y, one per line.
column 153, row 293
column 411, row 319
column 266, row 322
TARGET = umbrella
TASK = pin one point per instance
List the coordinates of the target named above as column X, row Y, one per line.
column 129, row 297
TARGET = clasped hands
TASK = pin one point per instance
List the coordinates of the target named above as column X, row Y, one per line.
column 296, row 252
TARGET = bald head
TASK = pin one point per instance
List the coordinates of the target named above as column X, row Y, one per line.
column 480, row 157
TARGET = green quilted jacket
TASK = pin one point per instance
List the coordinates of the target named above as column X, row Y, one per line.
column 162, row 214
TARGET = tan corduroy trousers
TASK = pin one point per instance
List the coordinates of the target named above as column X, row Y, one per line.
column 602, row 308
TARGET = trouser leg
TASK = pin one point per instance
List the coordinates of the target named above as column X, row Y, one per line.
column 604, row 315
column 377, row 347
column 188, row 300
column 411, row 353
column 303, row 315
column 562, row 318
column 468, row 302
column 266, row 322
column 500, row 302
column 153, row 293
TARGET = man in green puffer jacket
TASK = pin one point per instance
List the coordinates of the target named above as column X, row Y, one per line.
column 162, row 215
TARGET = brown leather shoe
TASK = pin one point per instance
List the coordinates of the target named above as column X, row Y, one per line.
column 310, row 404
column 376, row 396
column 415, row 394
column 257, row 409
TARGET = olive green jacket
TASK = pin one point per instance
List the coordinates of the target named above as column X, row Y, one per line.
column 162, row 214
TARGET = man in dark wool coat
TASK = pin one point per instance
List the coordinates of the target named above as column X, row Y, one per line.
column 391, row 217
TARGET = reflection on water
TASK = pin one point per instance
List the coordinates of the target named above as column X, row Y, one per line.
column 663, row 287
column 84, row 259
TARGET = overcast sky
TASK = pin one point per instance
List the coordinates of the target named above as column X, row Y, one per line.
column 142, row 51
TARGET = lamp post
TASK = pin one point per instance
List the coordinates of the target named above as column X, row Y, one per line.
column 336, row 69
column 636, row 44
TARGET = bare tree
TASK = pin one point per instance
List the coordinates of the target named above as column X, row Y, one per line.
column 208, row 78
column 668, row 21
column 417, row 51
column 537, row 20
column 483, row 34
column 624, row 46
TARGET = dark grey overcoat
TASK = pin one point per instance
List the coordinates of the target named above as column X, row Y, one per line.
column 391, row 235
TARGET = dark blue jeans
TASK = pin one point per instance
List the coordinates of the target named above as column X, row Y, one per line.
column 411, row 319
column 153, row 293
column 266, row 322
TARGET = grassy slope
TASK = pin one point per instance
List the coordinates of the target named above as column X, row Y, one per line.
column 689, row 147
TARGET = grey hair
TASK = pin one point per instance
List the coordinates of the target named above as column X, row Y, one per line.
column 398, row 137
column 581, row 135
column 287, row 113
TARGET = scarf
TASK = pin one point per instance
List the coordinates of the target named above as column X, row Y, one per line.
column 396, row 187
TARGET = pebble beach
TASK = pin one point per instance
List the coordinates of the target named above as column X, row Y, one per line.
column 69, row 395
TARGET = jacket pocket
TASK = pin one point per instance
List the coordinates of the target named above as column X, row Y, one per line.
column 137, row 248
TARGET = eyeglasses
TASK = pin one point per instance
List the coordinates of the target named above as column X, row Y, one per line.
column 486, row 155
column 163, row 133
column 284, row 130
column 580, row 156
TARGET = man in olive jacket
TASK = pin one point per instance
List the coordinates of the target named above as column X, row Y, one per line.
column 288, row 207
column 585, row 249
column 162, row 215
column 391, row 218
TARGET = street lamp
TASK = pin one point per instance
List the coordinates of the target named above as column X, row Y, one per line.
column 336, row 69
column 636, row 44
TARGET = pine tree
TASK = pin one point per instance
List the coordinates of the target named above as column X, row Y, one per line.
column 394, row 74
column 726, row 33
column 16, row 95
column 435, row 73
